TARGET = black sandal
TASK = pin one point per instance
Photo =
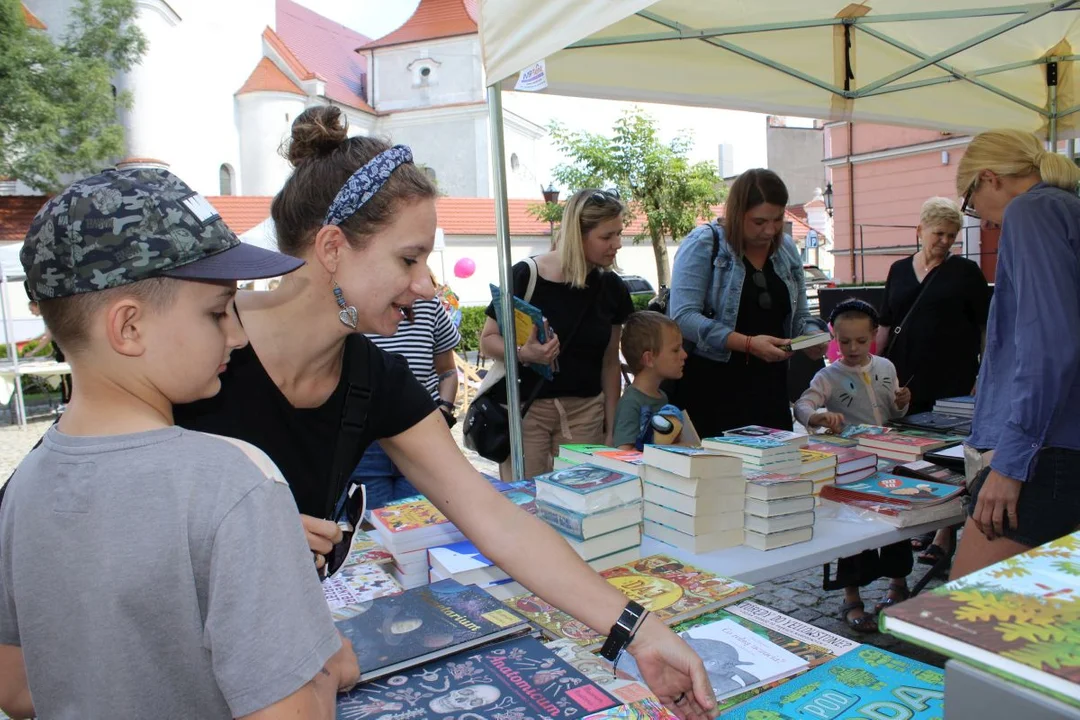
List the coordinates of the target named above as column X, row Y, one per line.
column 902, row 593
column 865, row 624
column 922, row 542
column 933, row 554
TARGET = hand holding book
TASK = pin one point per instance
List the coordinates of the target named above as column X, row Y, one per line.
column 534, row 352
column 833, row 422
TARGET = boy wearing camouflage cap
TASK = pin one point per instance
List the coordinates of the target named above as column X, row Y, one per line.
column 146, row 570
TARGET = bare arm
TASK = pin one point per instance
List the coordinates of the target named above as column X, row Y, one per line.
column 882, row 338
column 532, row 351
column 611, row 382
column 14, row 691
column 446, row 369
column 317, row 699
column 491, row 342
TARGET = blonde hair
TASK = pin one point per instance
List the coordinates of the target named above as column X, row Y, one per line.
column 584, row 211
column 1014, row 152
column 939, row 211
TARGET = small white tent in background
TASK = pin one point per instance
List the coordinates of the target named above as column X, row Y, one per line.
column 19, row 324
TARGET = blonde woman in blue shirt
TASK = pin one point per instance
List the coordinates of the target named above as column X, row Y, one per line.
column 1024, row 450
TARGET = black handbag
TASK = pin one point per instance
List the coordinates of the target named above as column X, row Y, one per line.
column 487, row 423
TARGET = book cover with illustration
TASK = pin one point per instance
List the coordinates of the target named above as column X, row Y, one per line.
column 666, row 587
column 869, row 683
column 900, row 490
column 349, row 591
column 1019, row 618
column 645, row 709
column 615, row 681
column 855, row 429
column 366, row 550
column 587, row 488
column 515, row 679
column 748, row 444
column 737, row 659
column 527, row 317
column 425, row 623
column 759, row 431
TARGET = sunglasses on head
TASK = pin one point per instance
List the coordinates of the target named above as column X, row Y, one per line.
column 967, row 208
column 348, row 515
column 605, row 196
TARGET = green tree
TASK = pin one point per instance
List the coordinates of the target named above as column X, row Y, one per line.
column 58, row 113
column 654, row 177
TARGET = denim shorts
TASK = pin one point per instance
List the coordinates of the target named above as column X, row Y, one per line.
column 1049, row 504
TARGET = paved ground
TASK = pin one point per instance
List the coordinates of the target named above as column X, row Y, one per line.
column 799, row 595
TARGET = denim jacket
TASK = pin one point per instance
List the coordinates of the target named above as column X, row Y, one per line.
column 691, row 278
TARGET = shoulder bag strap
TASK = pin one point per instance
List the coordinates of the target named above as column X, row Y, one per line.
column 705, row 309
column 531, row 262
column 354, row 415
column 895, row 333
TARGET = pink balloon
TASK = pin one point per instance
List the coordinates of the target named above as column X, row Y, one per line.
column 464, row 268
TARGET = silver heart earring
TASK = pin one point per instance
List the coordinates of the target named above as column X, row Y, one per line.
column 347, row 314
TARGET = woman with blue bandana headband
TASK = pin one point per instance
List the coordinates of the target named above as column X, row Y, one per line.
column 362, row 216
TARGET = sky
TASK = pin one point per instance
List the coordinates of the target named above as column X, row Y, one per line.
column 744, row 132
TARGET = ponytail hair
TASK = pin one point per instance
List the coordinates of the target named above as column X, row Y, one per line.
column 1014, row 152
column 584, row 211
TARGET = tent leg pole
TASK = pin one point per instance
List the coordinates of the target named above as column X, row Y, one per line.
column 1052, row 92
column 506, row 284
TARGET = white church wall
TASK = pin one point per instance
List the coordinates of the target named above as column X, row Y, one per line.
column 265, row 119
column 444, row 142
column 453, row 74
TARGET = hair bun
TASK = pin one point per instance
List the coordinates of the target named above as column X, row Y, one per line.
column 316, row 132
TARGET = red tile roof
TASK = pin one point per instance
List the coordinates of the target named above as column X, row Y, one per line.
column 32, row 19
column 432, row 19
column 298, row 68
column 16, row 212
column 268, row 77
column 328, row 49
column 241, row 212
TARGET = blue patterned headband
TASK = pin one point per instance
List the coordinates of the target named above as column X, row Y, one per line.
column 365, row 182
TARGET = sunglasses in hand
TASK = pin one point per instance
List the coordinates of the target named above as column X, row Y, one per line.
column 348, row 514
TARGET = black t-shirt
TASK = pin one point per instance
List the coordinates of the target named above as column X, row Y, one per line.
column 581, row 358
column 302, row 441
column 938, row 348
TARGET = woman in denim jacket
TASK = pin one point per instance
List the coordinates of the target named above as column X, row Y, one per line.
column 741, row 310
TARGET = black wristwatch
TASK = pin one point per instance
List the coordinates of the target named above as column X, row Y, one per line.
column 622, row 632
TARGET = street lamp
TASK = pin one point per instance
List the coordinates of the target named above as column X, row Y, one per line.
column 827, row 196
column 551, row 197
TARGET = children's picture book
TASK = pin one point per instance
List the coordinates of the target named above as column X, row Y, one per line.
column 349, row 590
column 668, row 588
column 787, row 437
column 900, row 490
column 868, row 683
column 365, row 550
column 1019, row 619
column 736, row 658
column 616, row 682
column 587, row 488
column 419, row 625
column 527, row 317
column 413, row 526
column 517, row 678
column 645, row 709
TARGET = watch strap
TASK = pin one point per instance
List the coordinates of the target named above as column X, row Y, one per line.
column 623, row 631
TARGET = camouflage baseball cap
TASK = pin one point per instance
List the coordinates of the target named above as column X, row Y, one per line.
column 122, row 226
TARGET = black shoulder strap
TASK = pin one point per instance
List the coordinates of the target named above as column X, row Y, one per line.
column 705, row 309
column 354, row 416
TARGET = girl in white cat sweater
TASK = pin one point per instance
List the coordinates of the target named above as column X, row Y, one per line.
column 860, row 388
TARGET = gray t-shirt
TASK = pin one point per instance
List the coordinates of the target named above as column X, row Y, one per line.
column 628, row 414
column 163, row 574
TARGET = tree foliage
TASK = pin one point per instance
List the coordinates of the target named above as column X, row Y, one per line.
column 656, row 178
column 59, row 110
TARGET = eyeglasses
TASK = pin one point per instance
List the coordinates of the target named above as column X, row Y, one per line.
column 764, row 299
column 967, row 208
column 348, row 514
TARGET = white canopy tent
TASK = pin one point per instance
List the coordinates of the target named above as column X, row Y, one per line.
column 962, row 65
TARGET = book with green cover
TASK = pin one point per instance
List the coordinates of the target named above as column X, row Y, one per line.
column 1019, row 619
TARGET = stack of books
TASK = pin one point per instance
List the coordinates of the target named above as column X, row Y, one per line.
column 779, row 510
column 852, row 464
column 787, row 437
column 961, row 407
column 901, row 446
column 819, row 467
column 597, row 511
column 897, row 500
column 693, row 498
column 669, row 589
column 462, row 562
column 624, row 461
column 760, row 454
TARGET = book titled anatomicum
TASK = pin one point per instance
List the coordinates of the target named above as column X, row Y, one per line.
column 518, row 678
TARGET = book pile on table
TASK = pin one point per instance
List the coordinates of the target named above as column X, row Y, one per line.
column 671, row 590
column 906, row 446
column 624, row 461
column 778, row 510
column 461, row 561
column 758, row 453
column 897, row 500
column 818, row 467
column 961, row 407
column 693, row 498
column 597, row 511
column 852, row 464
column 408, row 528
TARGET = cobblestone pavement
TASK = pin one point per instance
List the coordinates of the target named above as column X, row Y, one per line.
column 799, row 595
